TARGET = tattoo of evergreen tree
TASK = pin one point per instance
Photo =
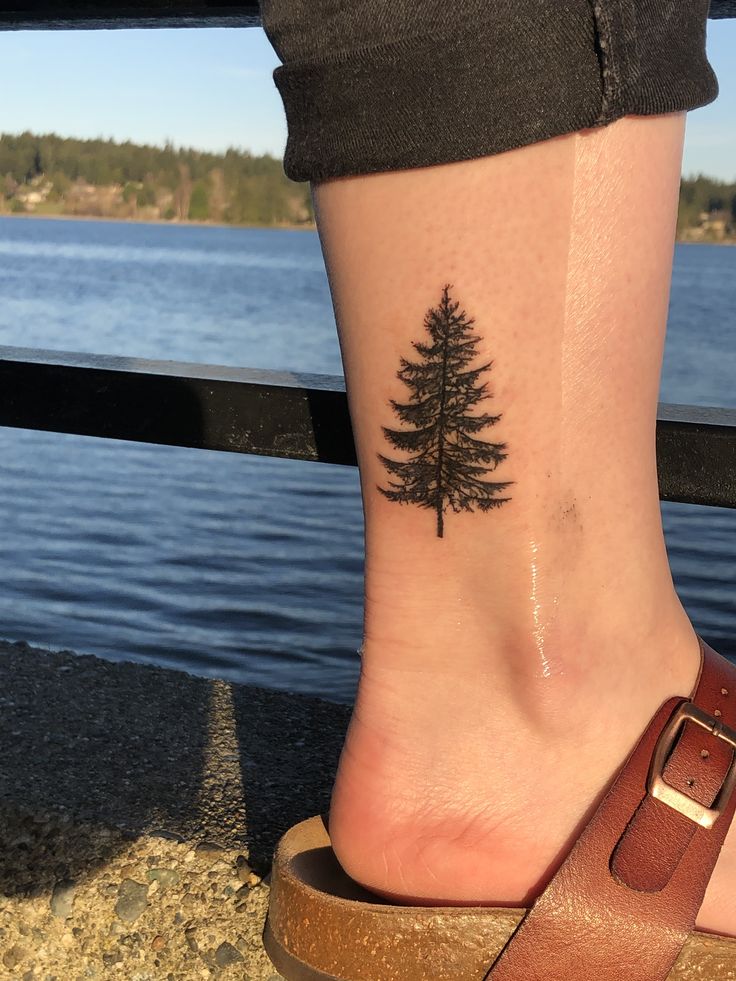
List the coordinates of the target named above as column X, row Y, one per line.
column 448, row 463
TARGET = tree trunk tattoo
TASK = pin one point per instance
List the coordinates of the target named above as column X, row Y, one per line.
column 448, row 463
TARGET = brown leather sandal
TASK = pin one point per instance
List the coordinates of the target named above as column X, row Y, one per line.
column 622, row 906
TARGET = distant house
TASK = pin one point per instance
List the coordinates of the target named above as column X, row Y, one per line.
column 713, row 226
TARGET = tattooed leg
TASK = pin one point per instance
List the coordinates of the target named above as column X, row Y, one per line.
column 502, row 323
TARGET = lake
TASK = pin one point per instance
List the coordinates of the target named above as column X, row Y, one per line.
column 247, row 569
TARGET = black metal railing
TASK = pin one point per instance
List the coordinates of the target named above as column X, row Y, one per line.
column 23, row 15
column 297, row 416
column 241, row 410
column 30, row 14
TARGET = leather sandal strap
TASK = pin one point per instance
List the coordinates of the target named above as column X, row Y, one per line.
column 626, row 897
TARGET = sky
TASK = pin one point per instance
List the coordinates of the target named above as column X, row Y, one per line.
column 212, row 89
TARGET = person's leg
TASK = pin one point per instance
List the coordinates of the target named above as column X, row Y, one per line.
column 509, row 665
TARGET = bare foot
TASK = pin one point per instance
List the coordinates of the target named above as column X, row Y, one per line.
column 446, row 795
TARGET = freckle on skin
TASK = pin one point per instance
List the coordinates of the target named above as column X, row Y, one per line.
column 570, row 516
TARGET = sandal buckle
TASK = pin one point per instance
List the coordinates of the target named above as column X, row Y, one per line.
column 704, row 816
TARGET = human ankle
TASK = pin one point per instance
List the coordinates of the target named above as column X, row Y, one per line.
column 446, row 778
column 637, row 652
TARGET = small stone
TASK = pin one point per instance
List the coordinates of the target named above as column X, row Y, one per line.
column 189, row 936
column 13, row 957
column 226, row 954
column 244, row 869
column 254, row 880
column 62, row 899
column 189, row 857
column 132, row 900
column 164, row 877
column 158, row 943
column 209, row 847
column 167, row 835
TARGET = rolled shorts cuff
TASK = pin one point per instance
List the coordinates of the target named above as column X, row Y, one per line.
column 513, row 74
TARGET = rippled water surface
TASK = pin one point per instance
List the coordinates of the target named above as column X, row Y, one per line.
column 237, row 567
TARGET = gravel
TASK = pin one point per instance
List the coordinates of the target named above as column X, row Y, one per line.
column 139, row 808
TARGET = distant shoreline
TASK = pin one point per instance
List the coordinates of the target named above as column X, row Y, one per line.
column 177, row 223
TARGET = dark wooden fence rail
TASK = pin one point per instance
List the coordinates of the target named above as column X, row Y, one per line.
column 301, row 417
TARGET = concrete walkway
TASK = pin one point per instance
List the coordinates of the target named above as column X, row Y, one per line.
column 139, row 808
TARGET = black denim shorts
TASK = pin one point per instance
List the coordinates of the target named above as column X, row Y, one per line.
column 376, row 85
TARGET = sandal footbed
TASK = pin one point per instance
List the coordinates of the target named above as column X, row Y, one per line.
column 322, row 926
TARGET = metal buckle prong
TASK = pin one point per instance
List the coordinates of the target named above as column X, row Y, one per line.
column 706, row 817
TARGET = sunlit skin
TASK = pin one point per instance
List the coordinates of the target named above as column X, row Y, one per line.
column 510, row 665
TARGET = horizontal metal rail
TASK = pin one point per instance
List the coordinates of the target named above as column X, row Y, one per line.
column 241, row 410
column 24, row 15
column 88, row 14
column 296, row 416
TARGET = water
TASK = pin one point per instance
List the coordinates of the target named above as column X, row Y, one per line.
column 248, row 569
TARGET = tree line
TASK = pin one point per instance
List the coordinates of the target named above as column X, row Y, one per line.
column 52, row 175
column 49, row 174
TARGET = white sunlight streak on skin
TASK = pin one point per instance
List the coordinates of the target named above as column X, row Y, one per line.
column 540, row 621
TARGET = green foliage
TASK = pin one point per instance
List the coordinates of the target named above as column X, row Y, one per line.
column 61, row 182
column 234, row 187
column 146, row 196
column 198, row 204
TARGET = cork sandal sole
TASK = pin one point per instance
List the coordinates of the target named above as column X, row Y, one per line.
column 322, row 926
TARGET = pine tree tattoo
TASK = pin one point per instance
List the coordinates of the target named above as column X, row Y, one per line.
column 448, row 463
